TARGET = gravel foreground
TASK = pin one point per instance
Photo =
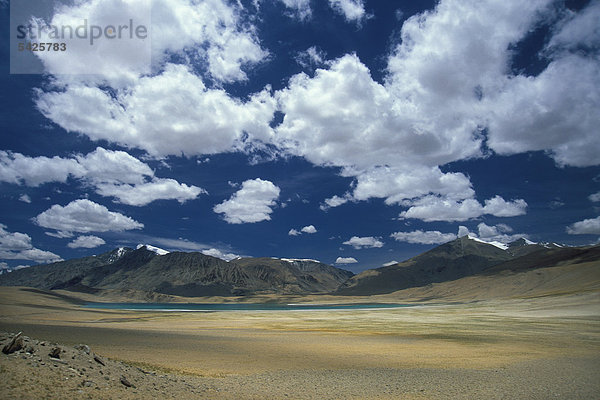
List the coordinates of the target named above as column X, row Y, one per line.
column 37, row 369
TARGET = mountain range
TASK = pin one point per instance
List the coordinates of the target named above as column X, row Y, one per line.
column 459, row 258
column 151, row 270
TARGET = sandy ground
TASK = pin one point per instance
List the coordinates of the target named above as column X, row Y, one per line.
column 536, row 348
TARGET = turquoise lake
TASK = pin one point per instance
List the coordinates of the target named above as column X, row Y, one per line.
column 191, row 307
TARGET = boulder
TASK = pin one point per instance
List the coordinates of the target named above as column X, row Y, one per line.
column 15, row 344
column 84, row 348
column 55, row 352
column 125, row 382
column 98, row 360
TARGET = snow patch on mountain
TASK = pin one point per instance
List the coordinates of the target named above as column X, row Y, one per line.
column 154, row 249
column 292, row 260
column 120, row 252
column 493, row 243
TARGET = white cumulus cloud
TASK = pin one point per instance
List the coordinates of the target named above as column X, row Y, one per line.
column 299, row 8
column 14, row 241
column 463, row 231
column 187, row 117
column 220, row 254
column 397, row 184
column 86, row 241
column 364, row 242
column 254, row 202
column 34, row 254
column 18, row 246
column 5, row 267
column 117, row 61
column 390, row 136
column 498, row 233
column 112, row 173
column 334, row 201
column 25, row 198
column 341, row 117
column 594, row 197
column 346, row 260
column 142, row 194
column 393, row 136
column 556, row 110
column 311, row 57
column 352, row 10
column 578, row 29
column 546, row 113
column 423, row 237
column 103, row 165
column 211, row 33
column 499, row 207
column 589, row 226
column 84, row 216
column 33, row 171
column 431, row 208
column 309, row 229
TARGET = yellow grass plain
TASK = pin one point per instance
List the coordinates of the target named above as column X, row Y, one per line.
column 536, row 347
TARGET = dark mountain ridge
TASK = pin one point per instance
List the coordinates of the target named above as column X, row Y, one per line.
column 150, row 270
column 183, row 274
column 459, row 258
column 548, row 257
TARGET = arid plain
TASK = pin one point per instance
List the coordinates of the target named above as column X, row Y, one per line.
column 510, row 337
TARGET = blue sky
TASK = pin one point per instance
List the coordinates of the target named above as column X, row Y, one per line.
column 350, row 131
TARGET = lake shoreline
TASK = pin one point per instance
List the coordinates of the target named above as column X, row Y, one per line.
column 236, row 306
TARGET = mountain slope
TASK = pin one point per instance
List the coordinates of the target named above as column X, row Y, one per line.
column 579, row 279
column 194, row 274
column 61, row 274
column 548, row 257
column 295, row 276
column 182, row 274
column 456, row 259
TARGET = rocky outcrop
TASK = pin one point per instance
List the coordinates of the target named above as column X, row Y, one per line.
column 15, row 344
column 32, row 369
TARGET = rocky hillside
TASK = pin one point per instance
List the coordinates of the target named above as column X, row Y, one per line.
column 459, row 258
column 181, row 274
column 37, row 369
column 58, row 274
column 295, row 275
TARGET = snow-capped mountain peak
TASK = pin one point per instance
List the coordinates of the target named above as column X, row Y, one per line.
column 117, row 254
column 493, row 243
column 155, row 249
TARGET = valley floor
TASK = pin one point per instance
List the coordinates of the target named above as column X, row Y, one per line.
column 537, row 348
